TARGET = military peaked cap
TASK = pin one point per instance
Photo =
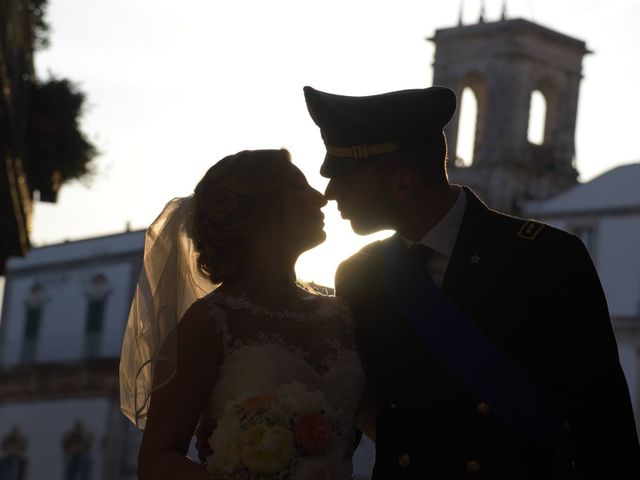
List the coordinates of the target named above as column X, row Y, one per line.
column 354, row 129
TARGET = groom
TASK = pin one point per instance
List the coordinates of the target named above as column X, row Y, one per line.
column 485, row 338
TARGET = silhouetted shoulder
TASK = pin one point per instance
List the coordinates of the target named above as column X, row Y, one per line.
column 198, row 326
column 366, row 252
column 365, row 255
column 354, row 270
column 198, row 312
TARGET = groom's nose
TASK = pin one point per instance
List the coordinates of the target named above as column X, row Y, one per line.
column 330, row 191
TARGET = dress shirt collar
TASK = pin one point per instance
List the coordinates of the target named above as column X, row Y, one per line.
column 442, row 237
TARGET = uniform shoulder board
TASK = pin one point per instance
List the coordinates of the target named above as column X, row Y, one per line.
column 530, row 229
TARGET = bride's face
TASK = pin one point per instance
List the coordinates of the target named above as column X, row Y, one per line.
column 302, row 221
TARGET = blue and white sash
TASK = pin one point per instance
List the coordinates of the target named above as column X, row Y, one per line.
column 468, row 352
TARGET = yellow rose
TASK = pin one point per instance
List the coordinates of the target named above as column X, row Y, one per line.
column 267, row 449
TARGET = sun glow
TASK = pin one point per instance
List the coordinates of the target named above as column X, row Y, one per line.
column 319, row 264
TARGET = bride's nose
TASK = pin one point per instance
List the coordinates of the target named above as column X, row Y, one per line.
column 322, row 200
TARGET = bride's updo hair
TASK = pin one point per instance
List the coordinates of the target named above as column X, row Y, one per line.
column 229, row 203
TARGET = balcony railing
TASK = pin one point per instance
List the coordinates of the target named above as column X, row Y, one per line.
column 59, row 349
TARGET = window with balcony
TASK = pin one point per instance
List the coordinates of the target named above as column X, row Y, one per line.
column 97, row 294
column 33, row 320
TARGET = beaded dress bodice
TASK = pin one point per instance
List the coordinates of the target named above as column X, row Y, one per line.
column 265, row 349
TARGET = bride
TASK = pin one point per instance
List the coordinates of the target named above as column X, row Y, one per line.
column 220, row 331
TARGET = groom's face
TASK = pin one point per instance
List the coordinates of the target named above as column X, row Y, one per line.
column 362, row 199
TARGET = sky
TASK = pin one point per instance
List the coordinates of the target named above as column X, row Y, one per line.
column 172, row 87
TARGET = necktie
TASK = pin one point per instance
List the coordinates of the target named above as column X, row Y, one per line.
column 420, row 254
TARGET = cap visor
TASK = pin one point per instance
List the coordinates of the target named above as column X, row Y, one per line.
column 333, row 167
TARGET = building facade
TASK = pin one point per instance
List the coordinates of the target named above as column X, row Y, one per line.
column 64, row 312
column 16, row 74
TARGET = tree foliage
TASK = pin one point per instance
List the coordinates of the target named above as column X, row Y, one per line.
column 57, row 150
column 38, row 9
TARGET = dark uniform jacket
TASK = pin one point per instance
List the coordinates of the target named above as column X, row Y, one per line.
column 534, row 291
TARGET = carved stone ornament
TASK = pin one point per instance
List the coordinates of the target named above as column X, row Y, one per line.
column 15, row 443
column 37, row 295
column 77, row 440
column 98, row 288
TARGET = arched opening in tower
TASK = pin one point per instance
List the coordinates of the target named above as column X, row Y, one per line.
column 537, row 118
column 467, row 125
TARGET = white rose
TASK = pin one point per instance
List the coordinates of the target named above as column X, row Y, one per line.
column 293, row 399
column 225, row 444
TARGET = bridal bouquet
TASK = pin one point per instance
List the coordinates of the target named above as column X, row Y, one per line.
column 288, row 433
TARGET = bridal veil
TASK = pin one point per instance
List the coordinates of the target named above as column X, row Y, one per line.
column 169, row 283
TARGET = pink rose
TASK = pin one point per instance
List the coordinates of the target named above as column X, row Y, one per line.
column 312, row 432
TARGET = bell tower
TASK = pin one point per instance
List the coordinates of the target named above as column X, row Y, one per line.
column 504, row 65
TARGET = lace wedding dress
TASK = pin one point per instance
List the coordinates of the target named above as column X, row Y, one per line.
column 287, row 392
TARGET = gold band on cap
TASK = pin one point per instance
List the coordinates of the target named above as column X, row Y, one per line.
column 362, row 151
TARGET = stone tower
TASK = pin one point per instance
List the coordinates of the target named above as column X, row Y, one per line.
column 503, row 63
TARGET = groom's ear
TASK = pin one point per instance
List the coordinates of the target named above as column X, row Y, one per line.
column 403, row 183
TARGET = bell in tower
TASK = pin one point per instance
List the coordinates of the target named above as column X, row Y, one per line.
column 505, row 65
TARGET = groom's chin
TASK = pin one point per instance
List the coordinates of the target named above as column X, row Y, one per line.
column 364, row 229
